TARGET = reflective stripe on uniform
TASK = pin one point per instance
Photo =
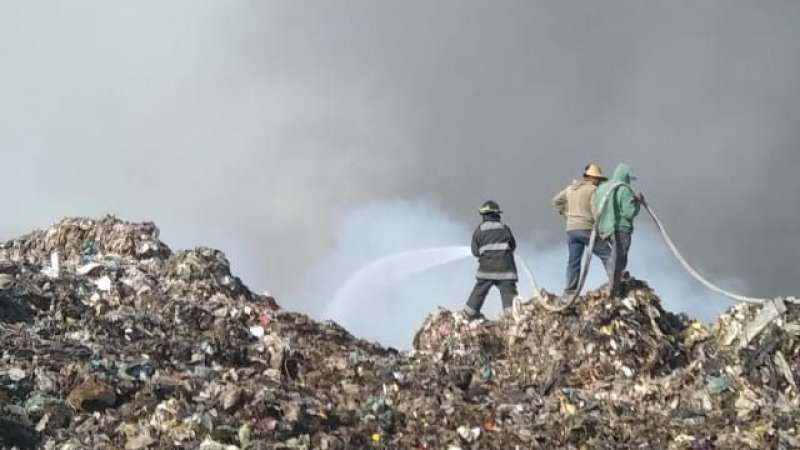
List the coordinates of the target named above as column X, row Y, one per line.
column 496, row 246
column 496, row 275
column 492, row 225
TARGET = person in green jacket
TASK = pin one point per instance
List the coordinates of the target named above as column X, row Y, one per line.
column 615, row 221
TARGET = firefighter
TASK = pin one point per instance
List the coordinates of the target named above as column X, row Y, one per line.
column 493, row 244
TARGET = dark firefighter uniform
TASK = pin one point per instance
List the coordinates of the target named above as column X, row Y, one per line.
column 493, row 244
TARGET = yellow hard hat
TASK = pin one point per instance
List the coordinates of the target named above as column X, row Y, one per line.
column 594, row 171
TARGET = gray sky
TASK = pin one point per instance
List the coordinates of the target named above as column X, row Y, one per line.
column 255, row 126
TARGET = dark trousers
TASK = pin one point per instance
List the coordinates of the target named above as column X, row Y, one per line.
column 620, row 245
column 577, row 240
column 508, row 290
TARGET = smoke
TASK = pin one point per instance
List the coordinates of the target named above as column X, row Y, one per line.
column 257, row 127
column 388, row 304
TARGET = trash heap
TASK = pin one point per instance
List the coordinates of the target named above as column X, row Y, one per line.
column 110, row 340
column 624, row 373
column 597, row 339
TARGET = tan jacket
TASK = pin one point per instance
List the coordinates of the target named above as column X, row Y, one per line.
column 575, row 202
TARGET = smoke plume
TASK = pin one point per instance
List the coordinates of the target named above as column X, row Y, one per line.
column 389, row 304
column 262, row 127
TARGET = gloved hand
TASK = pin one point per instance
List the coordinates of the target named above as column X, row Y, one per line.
column 640, row 198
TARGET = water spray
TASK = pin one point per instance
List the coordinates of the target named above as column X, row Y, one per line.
column 400, row 266
column 410, row 262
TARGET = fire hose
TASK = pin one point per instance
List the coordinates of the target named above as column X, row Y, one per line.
column 587, row 257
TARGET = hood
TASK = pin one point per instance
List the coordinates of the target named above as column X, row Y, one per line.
column 623, row 173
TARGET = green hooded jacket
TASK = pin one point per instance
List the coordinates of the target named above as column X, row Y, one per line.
column 622, row 206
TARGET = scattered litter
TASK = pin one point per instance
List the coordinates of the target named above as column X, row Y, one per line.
column 112, row 340
column 103, row 284
column 257, row 331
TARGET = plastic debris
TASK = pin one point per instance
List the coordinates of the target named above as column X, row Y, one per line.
column 717, row 385
column 469, row 435
column 6, row 281
column 257, row 331
column 131, row 345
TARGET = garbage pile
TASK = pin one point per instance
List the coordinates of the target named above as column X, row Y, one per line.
column 624, row 373
column 110, row 340
column 597, row 340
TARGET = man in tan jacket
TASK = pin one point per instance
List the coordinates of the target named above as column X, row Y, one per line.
column 575, row 204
